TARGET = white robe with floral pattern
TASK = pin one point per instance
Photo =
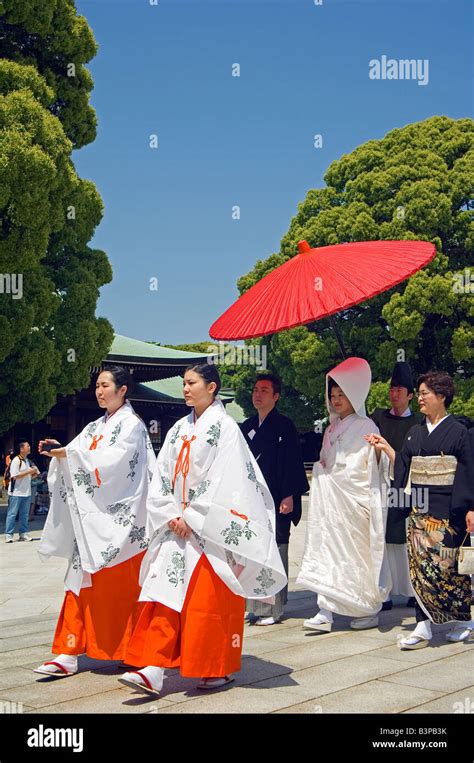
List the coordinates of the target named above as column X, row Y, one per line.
column 227, row 505
column 97, row 516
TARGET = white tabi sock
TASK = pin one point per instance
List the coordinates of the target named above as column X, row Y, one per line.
column 324, row 616
column 68, row 660
column 155, row 675
column 423, row 630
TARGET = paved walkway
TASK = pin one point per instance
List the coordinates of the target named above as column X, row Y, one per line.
column 284, row 669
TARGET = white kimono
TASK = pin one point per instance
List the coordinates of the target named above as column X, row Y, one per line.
column 344, row 557
column 97, row 516
column 224, row 499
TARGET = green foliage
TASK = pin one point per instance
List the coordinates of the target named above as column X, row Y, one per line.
column 241, row 378
column 378, row 396
column 416, row 183
column 50, row 336
column 51, row 36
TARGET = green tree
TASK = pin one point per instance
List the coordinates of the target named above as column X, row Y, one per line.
column 49, row 335
column 415, row 183
column 226, row 371
column 240, row 377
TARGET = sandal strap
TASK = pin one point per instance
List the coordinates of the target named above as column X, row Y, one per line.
column 142, row 675
column 58, row 665
column 218, row 678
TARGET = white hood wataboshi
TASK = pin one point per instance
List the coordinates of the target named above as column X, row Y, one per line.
column 354, row 377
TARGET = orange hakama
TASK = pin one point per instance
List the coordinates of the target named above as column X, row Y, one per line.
column 100, row 620
column 203, row 640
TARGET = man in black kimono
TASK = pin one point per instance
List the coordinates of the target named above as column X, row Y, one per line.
column 394, row 423
column 274, row 442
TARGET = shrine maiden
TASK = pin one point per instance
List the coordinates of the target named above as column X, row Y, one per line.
column 211, row 523
column 97, row 521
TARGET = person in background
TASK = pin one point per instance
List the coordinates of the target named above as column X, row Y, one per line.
column 19, row 493
column 35, row 483
column 394, row 423
column 5, row 468
column 274, row 441
column 43, row 495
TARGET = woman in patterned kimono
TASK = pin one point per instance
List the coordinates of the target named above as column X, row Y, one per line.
column 211, row 523
column 97, row 521
column 435, row 468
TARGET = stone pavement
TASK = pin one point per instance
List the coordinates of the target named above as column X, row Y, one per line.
column 284, row 669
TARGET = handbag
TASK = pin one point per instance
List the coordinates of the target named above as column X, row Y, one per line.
column 465, row 559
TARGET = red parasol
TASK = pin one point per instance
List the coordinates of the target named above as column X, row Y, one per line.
column 318, row 283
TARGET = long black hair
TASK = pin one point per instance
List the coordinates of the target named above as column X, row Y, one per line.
column 208, row 372
column 121, row 376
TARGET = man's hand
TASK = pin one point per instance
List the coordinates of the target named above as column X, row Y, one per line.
column 286, row 506
column 180, row 528
column 33, row 471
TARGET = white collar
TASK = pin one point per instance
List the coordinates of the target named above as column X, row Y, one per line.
column 213, row 412
column 402, row 415
column 124, row 408
column 431, row 426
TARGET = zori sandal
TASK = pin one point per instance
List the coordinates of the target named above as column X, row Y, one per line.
column 138, row 680
column 214, row 683
column 413, row 642
column 54, row 668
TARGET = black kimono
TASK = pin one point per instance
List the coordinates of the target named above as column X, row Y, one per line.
column 450, row 438
column 276, row 447
column 437, row 525
column 394, row 429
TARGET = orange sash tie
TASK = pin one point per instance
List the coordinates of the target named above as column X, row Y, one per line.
column 182, row 464
column 93, row 446
column 95, row 441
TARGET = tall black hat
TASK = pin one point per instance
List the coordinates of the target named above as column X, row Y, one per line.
column 402, row 376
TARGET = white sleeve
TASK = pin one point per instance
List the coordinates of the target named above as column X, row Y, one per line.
column 15, row 467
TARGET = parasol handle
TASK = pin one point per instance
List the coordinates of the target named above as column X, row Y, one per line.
column 340, row 341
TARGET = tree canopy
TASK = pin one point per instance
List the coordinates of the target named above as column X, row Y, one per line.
column 49, row 334
column 415, row 183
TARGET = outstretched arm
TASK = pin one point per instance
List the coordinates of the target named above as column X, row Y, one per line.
column 381, row 446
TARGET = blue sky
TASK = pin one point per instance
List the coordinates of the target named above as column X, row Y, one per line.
column 246, row 141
